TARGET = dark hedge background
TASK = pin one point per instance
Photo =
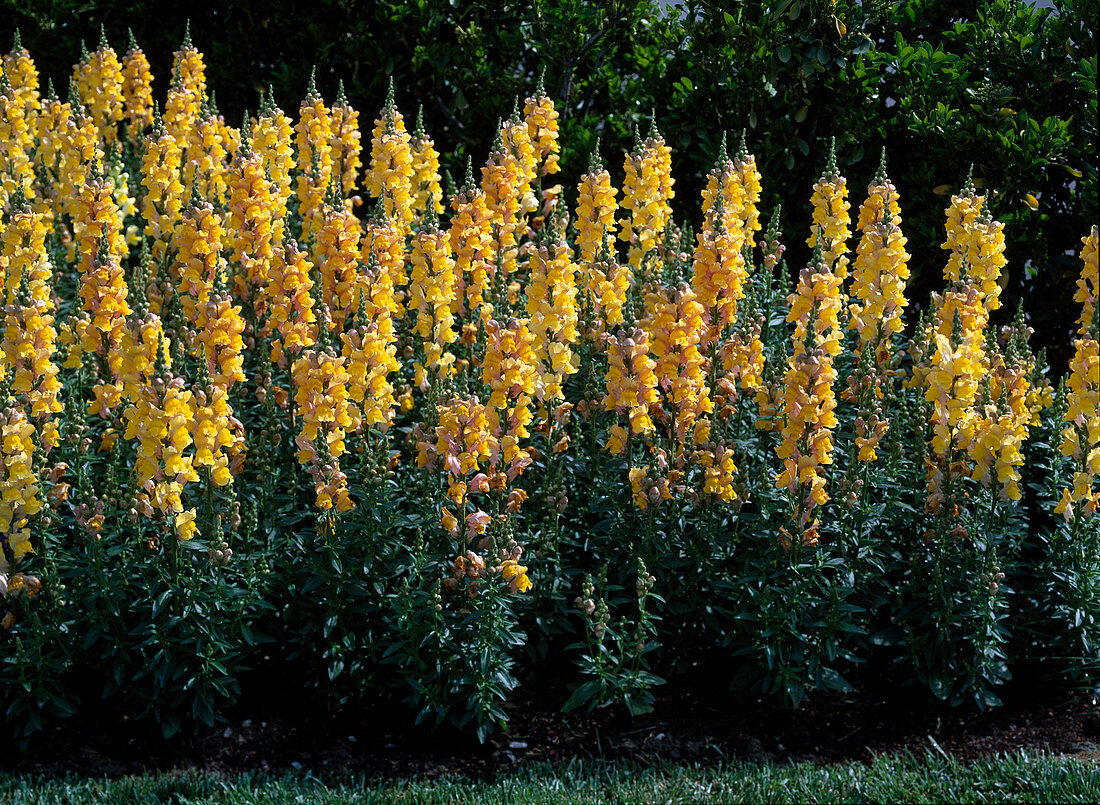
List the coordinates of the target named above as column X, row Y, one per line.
column 941, row 84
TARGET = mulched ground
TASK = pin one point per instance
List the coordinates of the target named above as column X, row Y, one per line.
column 693, row 722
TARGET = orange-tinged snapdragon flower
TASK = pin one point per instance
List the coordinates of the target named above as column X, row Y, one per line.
column 809, row 401
column 137, row 91
column 16, row 144
column 631, row 385
column 552, row 307
column 426, row 191
column 391, row 173
column 99, row 81
column 347, row 142
column 647, row 191
column 472, row 243
column 831, row 226
column 542, row 127
column 977, row 242
column 1088, row 284
column 881, row 271
column 432, row 296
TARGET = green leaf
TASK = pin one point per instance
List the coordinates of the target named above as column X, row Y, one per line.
column 581, row 695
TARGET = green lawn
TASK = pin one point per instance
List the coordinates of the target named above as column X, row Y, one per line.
column 1019, row 778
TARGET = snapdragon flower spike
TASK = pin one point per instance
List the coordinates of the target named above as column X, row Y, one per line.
column 976, row 240
column 595, row 219
column 326, row 414
column 809, row 401
column 552, row 308
column 432, row 296
column 188, row 65
column 472, row 243
column 501, row 183
column 159, row 417
column 26, row 361
column 273, row 141
column 79, row 152
column 313, row 140
column 1088, row 284
column 631, row 386
column 510, row 369
column 724, row 187
column 137, row 91
column 370, row 351
column 951, row 379
column 647, row 193
column 288, row 300
column 51, row 130
column 675, row 326
column 212, row 428
column 426, row 191
column 386, row 245
column 831, row 222
column 16, row 143
column 162, row 203
column 23, row 255
column 99, row 81
column 219, row 328
column 542, row 127
column 1081, row 430
column 199, row 259
column 207, row 151
column 250, row 226
column 346, row 144
column 22, row 74
column 719, row 271
column 336, row 253
column 391, row 173
column 103, row 292
column 745, row 164
column 881, row 270
column 20, row 494
column 1002, row 420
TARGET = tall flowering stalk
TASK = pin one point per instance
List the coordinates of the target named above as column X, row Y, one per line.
column 251, row 207
column 809, row 402
column 336, row 254
column 472, row 243
column 391, row 171
column 137, row 91
column 326, row 413
column 99, row 82
column 22, row 74
column 273, row 142
column 370, row 349
column 952, row 380
column 975, row 240
column 501, row 182
column 347, row 142
column 432, row 296
column 647, row 193
column 313, row 137
column 878, row 290
column 426, row 191
column 162, row 203
column 510, row 369
column 552, row 307
column 831, row 226
column 288, row 300
column 542, row 127
column 631, row 387
column 1081, row 432
column 604, row 282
